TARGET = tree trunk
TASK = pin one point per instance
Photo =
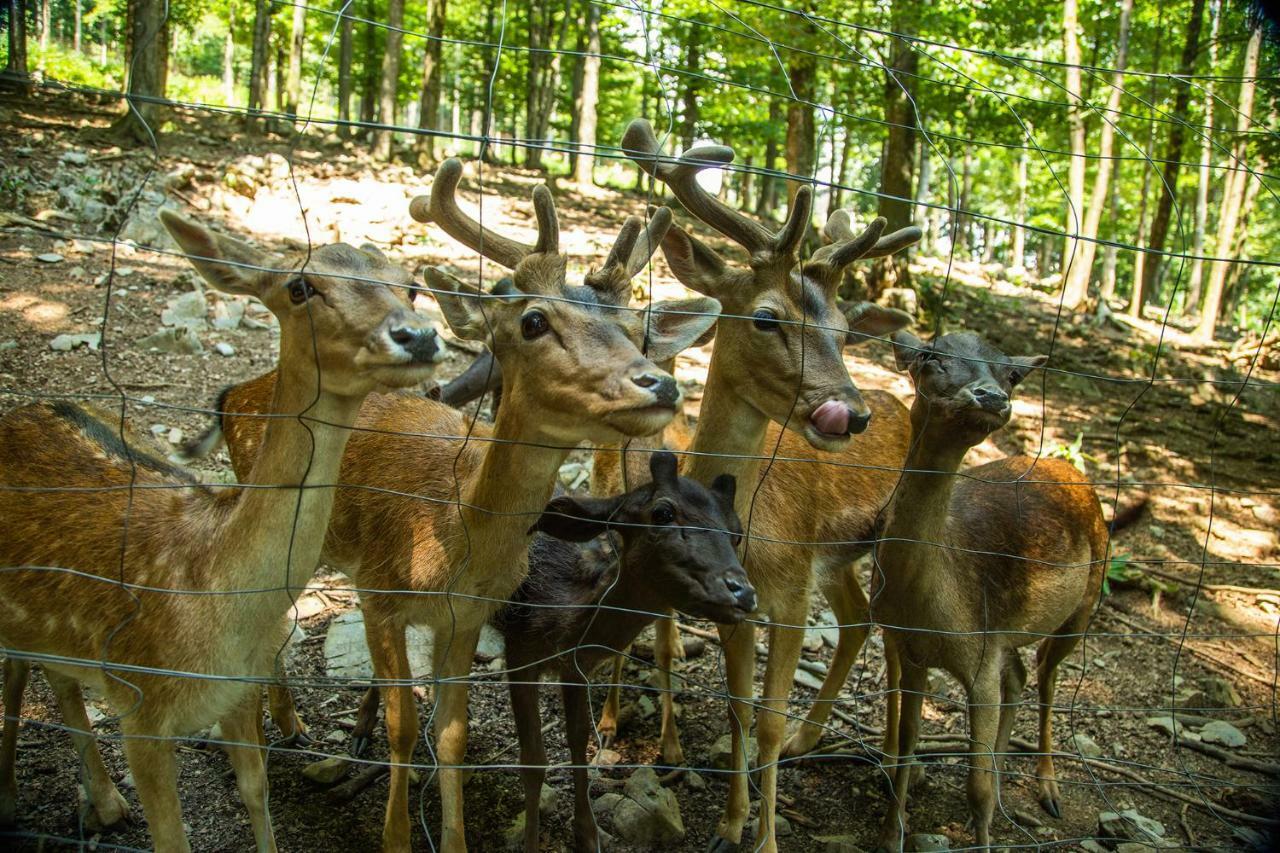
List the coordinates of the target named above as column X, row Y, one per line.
column 77, row 42
column 692, row 65
column 17, row 63
column 1076, row 132
column 432, row 72
column 1173, row 153
column 1076, row 290
column 258, row 62
column 44, row 28
column 768, row 183
column 1233, row 194
column 346, row 51
column 148, row 60
column 281, row 76
column 228, row 57
column 382, row 138
column 541, row 83
column 923, row 212
column 802, row 72
column 1019, row 250
column 842, row 176
column 964, row 223
column 1196, row 275
column 1140, row 256
column 293, row 86
column 369, row 77
column 589, row 97
column 1107, row 288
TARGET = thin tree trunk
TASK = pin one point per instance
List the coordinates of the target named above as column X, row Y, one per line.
column 842, row 176
column 17, row 63
column 293, row 86
column 1020, row 227
column 964, row 223
column 692, row 66
column 1076, row 290
column 390, row 80
column 1173, row 153
column 1234, row 292
column 1140, row 256
column 589, row 98
column 77, row 43
column 148, row 61
column 1234, row 194
column 281, row 77
column 1076, row 132
column 769, row 183
column 1107, row 288
column 369, row 77
column 1195, row 277
column 44, row 29
column 228, row 57
column 258, row 62
column 432, row 72
column 802, row 72
column 924, row 213
column 346, row 52
column 575, row 91
column 102, row 33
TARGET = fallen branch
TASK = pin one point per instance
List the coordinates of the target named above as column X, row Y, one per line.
column 1231, row 759
column 1232, row 668
column 1212, row 587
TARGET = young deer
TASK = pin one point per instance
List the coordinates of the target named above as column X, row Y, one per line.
column 110, row 554
column 435, row 529
column 778, row 360
column 970, row 568
column 581, row 605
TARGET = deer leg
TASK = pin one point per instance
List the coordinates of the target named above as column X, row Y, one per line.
column 285, row 714
column 1051, row 653
column 577, row 717
column 108, row 807
column 739, row 643
column 984, row 728
column 245, row 739
column 607, row 728
column 1012, row 682
column 391, row 666
column 16, row 673
column 785, row 644
column 366, row 722
column 849, row 604
column 913, row 683
column 155, row 775
column 453, row 656
column 666, row 648
column 533, row 754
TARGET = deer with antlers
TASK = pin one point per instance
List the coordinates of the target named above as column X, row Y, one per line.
column 122, row 572
column 435, row 529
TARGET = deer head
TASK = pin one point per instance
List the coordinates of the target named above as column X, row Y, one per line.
column 571, row 355
column 780, row 342
column 346, row 312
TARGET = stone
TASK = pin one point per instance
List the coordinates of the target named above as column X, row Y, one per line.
column 1191, row 698
column 49, row 258
column 722, row 749
column 648, row 815
column 66, row 343
column 924, row 842
column 75, row 158
column 782, row 827
column 1136, row 847
column 346, row 655
column 645, row 708
column 547, row 800
column 1129, row 825
column 1086, row 745
column 491, row 645
column 224, row 349
column 174, row 436
column 180, row 340
column 606, row 803
column 807, row 679
column 187, row 309
column 1220, row 693
column 1168, row 725
column 1222, row 733
column 694, row 647
column 8, row 345
column 327, row 771
column 513, row 835
column 838, row 843
column 607, row 758
column 694, row 781
column 227, row 314
column 1092, row 846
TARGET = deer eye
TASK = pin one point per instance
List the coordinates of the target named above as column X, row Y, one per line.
column 765, row 320
column 662, row 514
column 534, row 325
column 300, row 290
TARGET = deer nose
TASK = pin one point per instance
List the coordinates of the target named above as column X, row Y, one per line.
column 743, row 594
column 990, row 399
column 858, row 421
column 662, row 386
column 421, row 343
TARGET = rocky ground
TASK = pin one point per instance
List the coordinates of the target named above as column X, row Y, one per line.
column 1190, row 622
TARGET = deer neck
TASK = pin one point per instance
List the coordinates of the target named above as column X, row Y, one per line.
column 273, row 537
column 729, row 438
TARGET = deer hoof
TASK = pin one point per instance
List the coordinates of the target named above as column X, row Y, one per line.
column 1050, row 804
column 360, row 746
column 720, row 844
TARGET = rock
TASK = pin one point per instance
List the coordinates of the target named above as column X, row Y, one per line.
column 491, row 644
column 1223, row 733
column 224, row 349
column 1168, row 725
column 174, row 436
column 838, row 843
column 8, row 345
column 1220, row 693
column 1129, row 825
column 805, row 678
column 158, row 430
column 645, row 708
column 513, row 835
column 336, row 738
column 547, row 800
column 180, row 339
column 346, row 655
column 1191, row 698
column 605, row 803
column 185, row 310
column 573, row 475
column 694, row 781
column 1136, row 847
column 75, row 158
column 722, row 749
column 227, row 314
column 49, row 258
column 1092, row 846
column 1086, row 745
column 648, row 815
column 781, row 824
column 327, row 771
column 924, row 842
column 66, row 343
column 693, row 646
column 607, row 758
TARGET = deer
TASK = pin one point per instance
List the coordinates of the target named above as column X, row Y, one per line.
column 970, row 567
column 125, row 573
column 581, row 605
column 433, row 528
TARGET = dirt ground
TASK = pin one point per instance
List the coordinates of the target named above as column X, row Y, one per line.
column 1195, row 623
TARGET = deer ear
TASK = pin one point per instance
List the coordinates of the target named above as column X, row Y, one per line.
column 664, row 469
column 226, row 263
column 370, row 249
column 577, row 519
column 461, row 305
column 725, row 488
column 696, row 265
column 869, row 320
column 674, row 325
column 906, row 348
column 1024, row 364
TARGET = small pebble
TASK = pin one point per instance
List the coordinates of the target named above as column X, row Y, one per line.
column 224, row 349
column 49, row 258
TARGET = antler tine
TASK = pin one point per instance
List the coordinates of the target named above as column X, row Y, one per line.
column 845, row 252
column 641, row 145
column 544, row 207
column 895, row 242
column 636, row 243
column 788, row 239
column 839, row 227
column 441, row 207
column 648, row 242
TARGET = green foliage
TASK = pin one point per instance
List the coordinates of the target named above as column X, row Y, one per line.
column 1072, row 453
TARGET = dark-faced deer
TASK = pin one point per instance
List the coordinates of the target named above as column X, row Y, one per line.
column 435, row 530
column 970, row 568
column 109, row 554
column 581, row 605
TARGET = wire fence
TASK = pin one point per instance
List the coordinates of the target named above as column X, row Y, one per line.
column 175, row 608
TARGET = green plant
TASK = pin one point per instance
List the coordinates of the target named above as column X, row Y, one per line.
column 1072, row 453
column 1120, row 573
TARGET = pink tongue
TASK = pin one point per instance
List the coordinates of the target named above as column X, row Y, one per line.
column 831, row 417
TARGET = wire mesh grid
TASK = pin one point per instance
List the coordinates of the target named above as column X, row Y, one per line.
column 180, row 607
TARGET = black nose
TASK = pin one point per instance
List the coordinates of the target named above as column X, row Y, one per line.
column 664, row 387
column 991, row 399
column 858, row 421
column 421, row 344
column 742, row 593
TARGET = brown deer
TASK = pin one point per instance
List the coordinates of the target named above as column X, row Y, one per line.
column 124, row 573
column 434, row 526
column 777, row 386
column 581, row 605
column 969, row 568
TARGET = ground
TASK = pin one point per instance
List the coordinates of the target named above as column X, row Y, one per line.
column 1191, row 616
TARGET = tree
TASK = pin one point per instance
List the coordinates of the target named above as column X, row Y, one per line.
column 293, row 84
column 429, row 94
column 259, row 64
column 1196, row 276
column 897, row 161
column 228, row 56
column 588, row 97
column 16, row 68
column 1076, row 134
column 147, row 49
column 390, row 80
column 346, row 51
